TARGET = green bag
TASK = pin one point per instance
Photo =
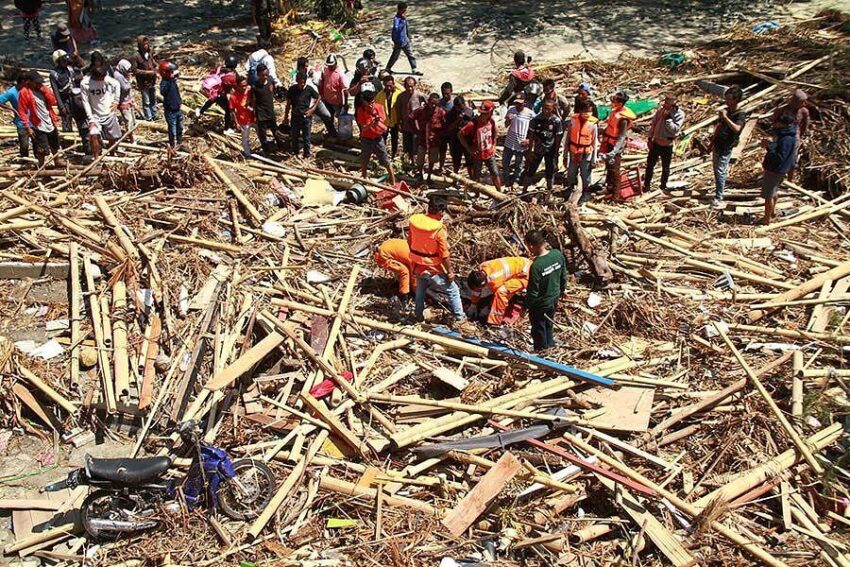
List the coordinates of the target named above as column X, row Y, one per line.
column 641, row 106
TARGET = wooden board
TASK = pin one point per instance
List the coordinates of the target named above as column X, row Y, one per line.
column 626, row 409
column 476, row 501
column 746, row 132
column 245, row 362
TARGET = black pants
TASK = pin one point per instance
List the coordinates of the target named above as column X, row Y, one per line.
column 263, row 128
column 666, row 155
column 534, row 162
column 393, row 134
column 223, row 103
column 542, row 327
column 459, row 154
column 300, row 133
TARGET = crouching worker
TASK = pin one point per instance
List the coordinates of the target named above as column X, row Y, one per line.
column 503, row 278
column 394, row 255
column 430, row 260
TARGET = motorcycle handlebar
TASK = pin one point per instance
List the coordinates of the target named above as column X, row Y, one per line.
column 55, row 487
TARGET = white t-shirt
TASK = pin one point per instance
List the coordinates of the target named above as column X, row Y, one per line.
column 45, row 124
column 100, row 97
column 261, row 56
column 518, row 129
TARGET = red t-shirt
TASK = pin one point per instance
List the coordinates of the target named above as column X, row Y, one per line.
column 239, row 104
column 372, row 120
column 483, row 138
column 429, row 125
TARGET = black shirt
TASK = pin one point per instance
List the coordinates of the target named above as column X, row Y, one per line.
column 459, row 115
column 301, row 99
column 726, row 139
column 264, row 101
column 593, row 110
column 546, row 131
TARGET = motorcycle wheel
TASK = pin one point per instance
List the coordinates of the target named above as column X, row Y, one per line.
column 104, row 505
column 246, row 495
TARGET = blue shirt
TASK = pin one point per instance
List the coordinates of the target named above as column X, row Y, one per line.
column 11, row 95
column 400, row 30
column 171, row 100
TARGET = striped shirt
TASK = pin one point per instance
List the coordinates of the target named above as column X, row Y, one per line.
column 518, row 129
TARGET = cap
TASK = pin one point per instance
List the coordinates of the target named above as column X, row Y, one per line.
column 63, row 30
column 488, row 106
column 800, row 95
column 585, row 87
column 330, row 60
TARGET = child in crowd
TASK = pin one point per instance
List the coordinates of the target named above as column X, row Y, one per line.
column 243, row 112
column 171, row 104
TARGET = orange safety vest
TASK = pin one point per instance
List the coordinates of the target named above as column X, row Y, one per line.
column 424, row 239
column 500, row 271
column 612, row 130
column 393, row 249
column 581, row 135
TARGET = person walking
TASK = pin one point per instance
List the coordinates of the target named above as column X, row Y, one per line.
column 798, row 105
column 401, row 39
column 663, row 131
column 30, row 10
column 547, row 281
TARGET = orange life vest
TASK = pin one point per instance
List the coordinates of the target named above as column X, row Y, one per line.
column 612, row 130
column 424, row 238
column 500, row 271
column 581, row 135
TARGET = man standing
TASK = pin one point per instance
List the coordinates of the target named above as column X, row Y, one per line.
column 779, row 160
column 430, row 121
column 401, row 39
column 332, row 87
column 430, row 260
column 172, row 104
column 545, row 133
column 407, row 103
column 262, row 99
column 724, row 139
column 126, row 100
column 478, row 138
column 386, row 99
column 9, row 100
column 517, row 120
column 547, row 281
column 302, row 99
column 144, row 68
column 797, row 106
column 580, row 151
column 503, row 278
column 101, row 94
column 614, row 140
column 663, row 130
column 372, row 121
column 35, row 106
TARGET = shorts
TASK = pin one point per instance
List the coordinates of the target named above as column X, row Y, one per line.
column 106, row 127
column 490, row 163
column 376, row 147
column 45, row 143
column 770, row 183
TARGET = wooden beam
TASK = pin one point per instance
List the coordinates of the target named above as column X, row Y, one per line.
column 339, row 429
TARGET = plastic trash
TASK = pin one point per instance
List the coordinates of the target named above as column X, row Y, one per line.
column 345, row 130
column 764, row 27
column 640, row 106
column 673, row 60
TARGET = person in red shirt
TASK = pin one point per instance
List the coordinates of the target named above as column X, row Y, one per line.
column 243, row 112
column 372, row 121
column 479, row 139
column 35, row 108
column 430, row 121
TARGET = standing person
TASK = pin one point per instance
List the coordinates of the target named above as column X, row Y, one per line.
column 101, row 94
column 394, row 255
column 614, row 140
column 545, row 133
column 332, row 87
column 171, row 104
column 372, row 121
column 521, row 75
column 61, row 39
column 447, row 102
column 430, row 259
column 301, row 99
column 406, row 104
column 724, row 139
column 387, row 98
column 459, row 116
column 663, row 130
column 365, row 71
column 216, row 87
column 583, row 93
column 144, row 69
column 562, row 105
column 580, row 151
column 9, row 100
column 263, row 11
column 35, row 107
column 547, row 281
column 503, row 278
column 242, row 108
column 30, row 10
column 126, row 99
column 313, row 78
column 798, row 106
column 401, row 39
column 517, row 120
column 65, row 80
column 430, row 122
column 262, row 99
column 478, row 137
column 779, row 159
column 81, row 20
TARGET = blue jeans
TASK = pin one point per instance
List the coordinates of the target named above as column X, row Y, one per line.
column 720, row 164
column 509, row 155
column 440, row 283
column 149, row 103
column 579, row 167
column 174, row 119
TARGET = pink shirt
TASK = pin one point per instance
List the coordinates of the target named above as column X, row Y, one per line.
column 333, row 86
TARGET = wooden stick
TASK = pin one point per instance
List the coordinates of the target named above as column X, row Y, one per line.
column 76, row 311
column 797, row 385
column 97, row 326
column 801, row 290
column 470, row 408
column 149, row 372
column 205, row 243
column 346, row 488
column 255, row 215
column 120, row 355
column 245, row 362
column 46, row 389
column 113, row 223
column 791, row 333
column 40, row 537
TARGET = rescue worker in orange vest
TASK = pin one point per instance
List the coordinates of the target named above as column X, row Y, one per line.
column 614, row 140
column 394, row 255
column 430, row 261
column 504, row 278
column 580, row 150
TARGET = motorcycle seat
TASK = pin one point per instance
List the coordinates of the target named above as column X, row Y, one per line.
column 127, row 471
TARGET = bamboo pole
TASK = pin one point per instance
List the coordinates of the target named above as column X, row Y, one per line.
column 21, row 225
column 113, row 223
column 120, row 356
column 791, row 333
column 40, row 537
column 819, row 212
column 783, row 421
column 211, row 244
column 801, row 290
column 346, row 488
column 76, row 311
column 97, row 326
column 240, row 196
column 797, row 385
column 47, row 389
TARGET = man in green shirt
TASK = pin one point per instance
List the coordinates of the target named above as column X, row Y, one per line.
column 547, row 280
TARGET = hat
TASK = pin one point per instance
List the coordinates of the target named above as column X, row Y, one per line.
column 124, row 66
column 331, row 60
column 367, row 88
column 488, row 106
column 585, row 87
column 62, row 30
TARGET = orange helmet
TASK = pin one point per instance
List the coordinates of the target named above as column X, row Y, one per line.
column 167, row 68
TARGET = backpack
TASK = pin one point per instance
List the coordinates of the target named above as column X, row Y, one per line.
column 211, row 84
